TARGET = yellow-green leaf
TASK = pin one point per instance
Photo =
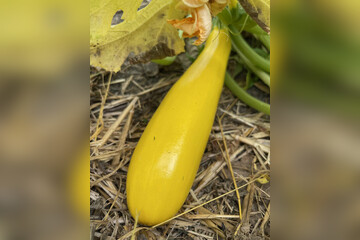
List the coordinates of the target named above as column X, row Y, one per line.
column 143, row 34
column 259, row 10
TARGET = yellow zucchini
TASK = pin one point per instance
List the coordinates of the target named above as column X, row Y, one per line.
column 168, row 154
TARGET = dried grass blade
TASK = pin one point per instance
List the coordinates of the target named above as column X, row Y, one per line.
column 230, row 168
column 113, row 127
column 100, row 122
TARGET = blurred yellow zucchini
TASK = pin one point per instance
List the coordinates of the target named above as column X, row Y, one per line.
column 79, row 183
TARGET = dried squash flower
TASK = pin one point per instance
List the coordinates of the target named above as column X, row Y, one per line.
column 216, row 6
column 194, row 3
column 199, row 23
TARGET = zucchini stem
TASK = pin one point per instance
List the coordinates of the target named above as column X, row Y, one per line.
column 264, row 39
column 250, row 54
column 164, row 61
column 265, row 77
column 246, row 97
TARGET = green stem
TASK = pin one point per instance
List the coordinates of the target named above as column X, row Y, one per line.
column 250, row 54
column 244, row 96
column 164, row 61
column 265, row 77
column 225, row 16
column 265, row 39
column 256, row 30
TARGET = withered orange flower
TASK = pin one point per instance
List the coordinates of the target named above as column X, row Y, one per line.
column 216, row 6
column 199, row 23
column 194, row 3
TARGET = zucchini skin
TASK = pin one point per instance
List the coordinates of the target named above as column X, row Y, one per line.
column 166, row 159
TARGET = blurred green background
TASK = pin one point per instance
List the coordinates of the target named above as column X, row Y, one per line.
column 315, row 114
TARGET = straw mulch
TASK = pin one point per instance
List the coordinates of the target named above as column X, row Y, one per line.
column 119, row 113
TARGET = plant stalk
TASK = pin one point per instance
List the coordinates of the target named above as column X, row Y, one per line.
column 246, row 97
column 250, row 54
column 265, row 39
column 265, row 77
